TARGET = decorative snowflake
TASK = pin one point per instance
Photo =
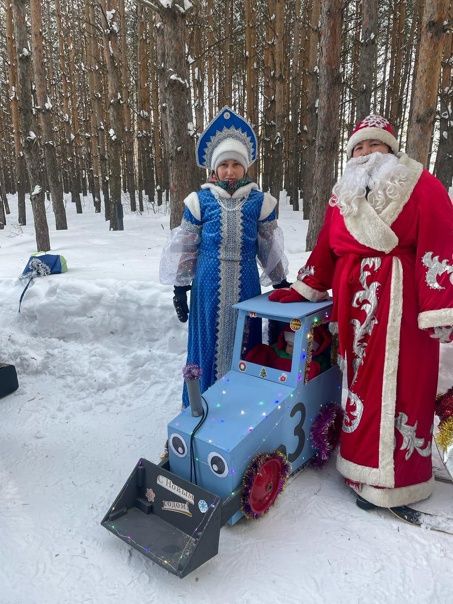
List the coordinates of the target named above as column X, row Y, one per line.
column 150, row 495
column 375, row 120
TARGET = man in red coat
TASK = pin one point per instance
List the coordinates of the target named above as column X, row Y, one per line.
column 385, row 250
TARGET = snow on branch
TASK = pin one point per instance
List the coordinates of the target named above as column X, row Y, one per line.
column 179, row 79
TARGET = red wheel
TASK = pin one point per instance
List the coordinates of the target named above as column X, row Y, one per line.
column 263, row 481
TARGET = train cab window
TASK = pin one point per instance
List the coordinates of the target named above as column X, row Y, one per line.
column 268, row 343
column 320, row 352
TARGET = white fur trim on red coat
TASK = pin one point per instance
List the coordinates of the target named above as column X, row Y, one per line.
column 435, row 318
column 390, row 498
column 313, row 295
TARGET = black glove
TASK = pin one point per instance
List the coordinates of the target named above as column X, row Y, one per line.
column 282, row 284
column 180, row 302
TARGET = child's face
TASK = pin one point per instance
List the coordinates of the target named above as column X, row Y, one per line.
column 230, row 170
column 289, row 347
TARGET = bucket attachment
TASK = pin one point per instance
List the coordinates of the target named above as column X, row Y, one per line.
column 173, row 522
column 8, row 379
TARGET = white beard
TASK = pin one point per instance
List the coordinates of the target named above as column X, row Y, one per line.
column 381, row 173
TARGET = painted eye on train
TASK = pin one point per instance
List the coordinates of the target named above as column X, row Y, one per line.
column 218, row 465
column 178, row 445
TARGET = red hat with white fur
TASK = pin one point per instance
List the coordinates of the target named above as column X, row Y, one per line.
column 373, row 127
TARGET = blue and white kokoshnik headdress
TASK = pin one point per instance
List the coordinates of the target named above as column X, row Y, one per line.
column 228, row 136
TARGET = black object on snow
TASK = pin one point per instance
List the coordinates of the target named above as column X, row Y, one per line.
column 170, row 520
column 8, row 379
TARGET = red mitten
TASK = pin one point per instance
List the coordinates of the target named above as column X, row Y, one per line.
column 286, row 294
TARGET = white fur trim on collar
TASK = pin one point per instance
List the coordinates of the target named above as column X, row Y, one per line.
column 193, row 203
column 374, row 230
column 269, row 204
column 241, row 192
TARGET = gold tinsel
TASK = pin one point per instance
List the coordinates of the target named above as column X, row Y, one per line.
column 444, row 438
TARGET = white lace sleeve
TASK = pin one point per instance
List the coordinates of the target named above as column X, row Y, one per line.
column 179, row 256
column 270, row 253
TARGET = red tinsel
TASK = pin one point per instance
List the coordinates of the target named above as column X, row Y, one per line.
column 325, row 433
column 444, row 405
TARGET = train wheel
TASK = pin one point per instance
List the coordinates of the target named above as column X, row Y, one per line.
column 264, row 480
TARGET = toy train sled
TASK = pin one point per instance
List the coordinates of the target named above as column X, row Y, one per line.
column 255, row 430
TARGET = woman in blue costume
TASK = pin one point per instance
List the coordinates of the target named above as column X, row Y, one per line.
column 226, row 227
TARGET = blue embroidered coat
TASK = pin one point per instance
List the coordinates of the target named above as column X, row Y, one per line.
column 216, row 250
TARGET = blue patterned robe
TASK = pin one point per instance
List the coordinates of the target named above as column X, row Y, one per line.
column 216, row 248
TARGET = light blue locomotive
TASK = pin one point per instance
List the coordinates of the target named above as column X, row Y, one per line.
column 255, row 429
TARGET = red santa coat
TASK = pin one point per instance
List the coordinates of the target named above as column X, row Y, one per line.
column 392, row 281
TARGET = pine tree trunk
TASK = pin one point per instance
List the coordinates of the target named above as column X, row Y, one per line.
column 276, row 184
column 115, row 133
column 3, row 198
column 74, row 138
column 444, row 158
column 252, row 72
column 328, row 114
column 45, row 113
column 396, row 95
column 68, row 151
column 30, row 140
column 269, row 99
column 197, row 71
column 309, row 125
column 175, row 94
column 426, row 78
column 143, row 104
column 210, row 61
column 21, row 168
column 294, row 147
column 92, row 67
column 128, row 124
column 368, row 57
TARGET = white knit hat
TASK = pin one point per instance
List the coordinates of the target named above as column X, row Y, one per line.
column 230, row 148
column 373, row 127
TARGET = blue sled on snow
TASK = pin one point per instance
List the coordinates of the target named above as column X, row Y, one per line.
column 233, row 461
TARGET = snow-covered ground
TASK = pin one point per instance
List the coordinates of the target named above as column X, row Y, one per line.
column 98, row 351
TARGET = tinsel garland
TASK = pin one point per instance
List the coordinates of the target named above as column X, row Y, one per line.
column 250, row 475
column 444, row 405
column 444, row 438
column 325, row 433
column 191, row 371
column 309, row 354
column 444, row 410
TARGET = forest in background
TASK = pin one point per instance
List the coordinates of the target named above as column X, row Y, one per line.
column 104, row 97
